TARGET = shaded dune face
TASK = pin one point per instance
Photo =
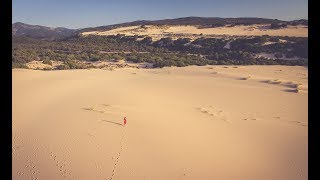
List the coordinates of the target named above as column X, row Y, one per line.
column 208, row 122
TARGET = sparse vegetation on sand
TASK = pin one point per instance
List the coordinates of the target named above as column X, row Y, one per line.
column 245, row 78
column 292, row 84
column 294, row 87
column 275, row 81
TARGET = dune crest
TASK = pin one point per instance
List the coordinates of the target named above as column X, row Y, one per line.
column 177, row 31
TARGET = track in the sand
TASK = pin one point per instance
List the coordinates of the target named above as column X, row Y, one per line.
column 118, row 156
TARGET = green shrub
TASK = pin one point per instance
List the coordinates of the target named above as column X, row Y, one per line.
column 74, row 65
column 181, row 64
column 62, row 67
column 278, row 55
column 47, row 69
column 19, row 65
column 47, row 62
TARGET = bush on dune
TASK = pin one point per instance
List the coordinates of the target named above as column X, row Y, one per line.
column 74, row 65
column 62, row 67
column 47, row 62
column 19, row 65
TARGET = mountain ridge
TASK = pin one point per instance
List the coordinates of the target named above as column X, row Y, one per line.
column 41, row 32
column 49, row 33
column 193, row 20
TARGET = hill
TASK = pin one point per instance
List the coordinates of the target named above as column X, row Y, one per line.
column 174, row 42
column 49, row 33
column 199, row 21
column 41, row 32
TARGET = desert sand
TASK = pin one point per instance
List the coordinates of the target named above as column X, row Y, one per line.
column 208, row 122
column 157, row 32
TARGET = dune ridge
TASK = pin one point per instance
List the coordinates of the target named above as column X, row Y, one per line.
column 193, row 32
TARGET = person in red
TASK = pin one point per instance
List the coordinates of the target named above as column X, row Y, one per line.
column 124, row 121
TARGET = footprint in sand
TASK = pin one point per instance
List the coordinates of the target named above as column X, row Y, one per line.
column 31, row 166
column 250, row 119
column 111, row 109
column 183, row 174
column 299, row 123
column 213, row 112
column 91, row 137
column 61, row 165
column 93, row 109
column 117, row 159
column 99, row 168
column 17, row 145
column 101, row 108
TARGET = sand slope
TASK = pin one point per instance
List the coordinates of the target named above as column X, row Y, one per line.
column 210, row 122
column 157, row 32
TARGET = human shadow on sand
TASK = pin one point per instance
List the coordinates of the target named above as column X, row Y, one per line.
column 111, row 122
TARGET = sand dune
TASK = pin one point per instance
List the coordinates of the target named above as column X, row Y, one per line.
column 183, row 123
column 157, row 32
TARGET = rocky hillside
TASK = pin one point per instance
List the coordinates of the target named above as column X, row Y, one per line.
column 41, row 32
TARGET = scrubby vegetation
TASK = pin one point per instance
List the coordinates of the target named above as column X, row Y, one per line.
column 46, row 61
column 164, row 52
column 19, row 65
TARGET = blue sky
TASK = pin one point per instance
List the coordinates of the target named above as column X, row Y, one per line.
column 91, row 13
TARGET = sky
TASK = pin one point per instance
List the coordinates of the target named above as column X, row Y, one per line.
column 91, row 13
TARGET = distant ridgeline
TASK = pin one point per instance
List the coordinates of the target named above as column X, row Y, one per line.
column 69, row 47
column 41, row 32
column 47, row 33
column 203, row 22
